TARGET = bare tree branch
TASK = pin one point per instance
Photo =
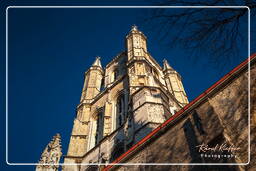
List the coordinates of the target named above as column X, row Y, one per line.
column 220, row 32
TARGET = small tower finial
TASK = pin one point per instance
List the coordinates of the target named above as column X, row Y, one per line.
column 166, row 65
column 134, row 27
column 97, row 62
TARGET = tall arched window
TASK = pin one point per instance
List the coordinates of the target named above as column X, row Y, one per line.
column 99, row 127
column 120, row 110
column 102, row 84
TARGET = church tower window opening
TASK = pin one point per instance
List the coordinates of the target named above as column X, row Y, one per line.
column 120, row 111
column 99, row 127
column 116, row 74
column 155, row 73
column 102, row 86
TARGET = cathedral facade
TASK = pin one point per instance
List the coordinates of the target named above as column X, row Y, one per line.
column 122, row 103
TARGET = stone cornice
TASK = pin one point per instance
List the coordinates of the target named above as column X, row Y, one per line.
column 94, row 68
column 155, row 103
column 169, row 72
column 161, row 89
column 134, row 33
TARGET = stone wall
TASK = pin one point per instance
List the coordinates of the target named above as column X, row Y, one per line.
column 222, row 118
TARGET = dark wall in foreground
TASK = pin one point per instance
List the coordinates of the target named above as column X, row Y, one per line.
column 220, row 119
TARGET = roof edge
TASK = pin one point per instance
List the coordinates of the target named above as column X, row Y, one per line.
column 181, row 111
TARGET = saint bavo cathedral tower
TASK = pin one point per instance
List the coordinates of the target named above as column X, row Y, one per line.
column 120, row 104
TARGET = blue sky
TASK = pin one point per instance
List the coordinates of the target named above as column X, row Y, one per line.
column 49, row 51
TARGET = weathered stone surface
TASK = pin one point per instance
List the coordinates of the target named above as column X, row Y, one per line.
column 223, row 117
column 51, row 155
column 132, row 96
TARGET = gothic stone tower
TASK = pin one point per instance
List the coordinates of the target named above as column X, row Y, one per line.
column 51, row 155
column 122, row 103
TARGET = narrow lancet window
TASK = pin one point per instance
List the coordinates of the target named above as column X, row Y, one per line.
column 120, row 111
column 116, row 74
column 99, row 127
column 102, row 84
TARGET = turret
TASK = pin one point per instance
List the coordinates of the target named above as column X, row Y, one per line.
column 51, row 155
column 93, row 81
column 92, row 86
column 136, row 51
column 174, row 83
column 136, row 43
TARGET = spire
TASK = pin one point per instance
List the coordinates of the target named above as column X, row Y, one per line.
column 55, row 142
column 134, row 28
column 166, row 65
column 97, row 62
column 52, row 152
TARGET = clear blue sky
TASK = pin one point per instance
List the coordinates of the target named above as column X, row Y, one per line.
column 49, row 51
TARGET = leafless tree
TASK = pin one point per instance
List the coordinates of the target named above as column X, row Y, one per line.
column 221, row 33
